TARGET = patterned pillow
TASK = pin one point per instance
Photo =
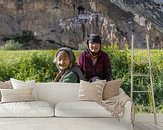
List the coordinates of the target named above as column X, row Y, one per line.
column 91, row 91
column 5, row 85
column 111, row 89
column 16, row 95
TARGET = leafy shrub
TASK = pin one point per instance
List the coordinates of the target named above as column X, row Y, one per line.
column 11, row 45
column 32, row 65
column 82, row 46
column 23, row 39
column 27, row 36
column 38, row 67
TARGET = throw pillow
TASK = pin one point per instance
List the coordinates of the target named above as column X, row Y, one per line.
column 5, row 85
column 16, row 95
column 91, row 91
column 17, row 84
column 111, row 89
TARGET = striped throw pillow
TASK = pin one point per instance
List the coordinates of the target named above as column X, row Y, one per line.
column 5, row 85
column 91, row 91
column 16, row 95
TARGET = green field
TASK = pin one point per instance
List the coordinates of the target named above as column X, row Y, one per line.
column 9, row 56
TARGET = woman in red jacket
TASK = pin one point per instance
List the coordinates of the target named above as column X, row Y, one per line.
column 95, row 63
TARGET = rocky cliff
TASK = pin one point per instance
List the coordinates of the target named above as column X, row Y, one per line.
column 145, row 13
column 57, row 23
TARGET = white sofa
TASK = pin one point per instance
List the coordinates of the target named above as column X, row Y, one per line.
column 57, row 108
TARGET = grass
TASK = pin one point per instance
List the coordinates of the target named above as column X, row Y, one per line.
column 9, row 56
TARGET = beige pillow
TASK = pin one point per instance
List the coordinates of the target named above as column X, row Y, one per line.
column 5, row 85
column 111, row 89
column 16, row 95
column 18, row 84
column 91, row 91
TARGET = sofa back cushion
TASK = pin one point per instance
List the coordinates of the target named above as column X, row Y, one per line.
column 55, row 92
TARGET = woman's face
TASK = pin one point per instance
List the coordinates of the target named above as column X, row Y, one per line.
column 63, row 60
column 94, row 47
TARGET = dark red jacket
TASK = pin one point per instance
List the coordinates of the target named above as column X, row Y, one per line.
column 102, row 68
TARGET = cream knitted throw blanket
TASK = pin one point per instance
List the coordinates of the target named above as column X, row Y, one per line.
column 116, row 105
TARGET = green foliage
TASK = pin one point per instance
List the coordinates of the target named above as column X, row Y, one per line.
column 121, row 63
column 23, row 39
column 27, row 36
column 38, row 65
column 11, row 45
column 82, row 46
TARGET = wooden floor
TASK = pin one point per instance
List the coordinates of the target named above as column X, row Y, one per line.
column 146, row 122
column 148, row 126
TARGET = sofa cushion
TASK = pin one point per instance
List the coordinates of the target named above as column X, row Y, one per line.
column 111, row 89
column 91, row 91
column 26, row 109
column 16, row 95
column 80, row 109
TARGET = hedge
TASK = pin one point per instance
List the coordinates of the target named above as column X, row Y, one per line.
column 38, row 65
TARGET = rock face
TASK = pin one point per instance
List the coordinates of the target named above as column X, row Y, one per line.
column 153, row 11
column 57, row 23
column 145, row 13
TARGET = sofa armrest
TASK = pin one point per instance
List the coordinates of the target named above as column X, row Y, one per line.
column 128, row 109
column 127, row 112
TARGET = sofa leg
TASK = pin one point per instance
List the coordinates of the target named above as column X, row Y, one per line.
column 132, row 125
